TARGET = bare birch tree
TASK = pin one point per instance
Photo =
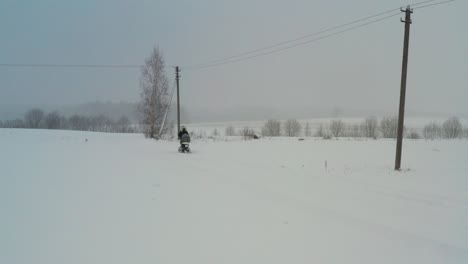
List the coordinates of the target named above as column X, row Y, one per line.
column 389, row 126
column 307, row 130
column 230, row 131
column 34, row 118
column 52, row 120
column 292, row 127
column 272, row 128
column 369, row 127
column 337, row 128
column 154, row 94
column 452, row 128
column 432, row 131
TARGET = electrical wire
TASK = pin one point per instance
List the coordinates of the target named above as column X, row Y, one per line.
column 292, row 40
column 434, row 4
column 241, row 56
column 422, row 2
column 295, row 45
column 232, row 59
column 19, row 65
column 299, row 38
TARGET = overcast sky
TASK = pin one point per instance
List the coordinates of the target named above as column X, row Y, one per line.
column 357, row 69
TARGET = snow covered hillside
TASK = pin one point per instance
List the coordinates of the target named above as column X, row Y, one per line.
column 81, row 197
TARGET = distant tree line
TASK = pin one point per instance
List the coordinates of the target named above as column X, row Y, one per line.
column 370, row 127
column 38, row 119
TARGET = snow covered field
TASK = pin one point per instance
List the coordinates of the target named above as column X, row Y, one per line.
column 81, row 197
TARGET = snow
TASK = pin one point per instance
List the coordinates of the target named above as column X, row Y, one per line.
column 82, row 197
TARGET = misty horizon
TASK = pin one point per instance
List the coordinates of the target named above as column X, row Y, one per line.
column 115, row 110
column 360, row 69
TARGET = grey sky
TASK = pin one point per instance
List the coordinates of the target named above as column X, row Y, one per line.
column 357, row 69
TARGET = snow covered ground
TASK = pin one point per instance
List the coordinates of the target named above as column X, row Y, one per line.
column 80, row 197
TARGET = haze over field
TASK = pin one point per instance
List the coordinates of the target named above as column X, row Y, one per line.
column 355, row 70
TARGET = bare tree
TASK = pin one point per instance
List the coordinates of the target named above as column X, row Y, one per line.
column 432, row 131
column 123, row 125
column 16, row 123
column 292, row 128
column 215, row 133
column 52, row 120
column 369, row 127
column 389, row 127
column 307, row 130
column 64, row 122
column 77, row 122
column 154, row 94
column 172, row 130
column 197, row 134
column 337, row 128
column 272, row 128
column 33, row 118
column 353, row 130
column 452, row 128
column 413, row 134
column 247, row 133
column 320, row 131
column 95, row 123
column 230, row 131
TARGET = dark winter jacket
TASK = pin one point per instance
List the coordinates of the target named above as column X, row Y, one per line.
column 181, row 133
column 185, row 138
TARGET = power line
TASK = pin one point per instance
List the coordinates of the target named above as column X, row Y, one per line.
column 422, row 2
column 72, row 65
column 292, row 40
column 299, row 38
column 240, row 56
column 440, row 3
column 232, row 59
column 295, row 45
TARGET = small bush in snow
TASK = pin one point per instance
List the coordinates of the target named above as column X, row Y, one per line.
column 215, row 133
column 307, row 130
column 230, row 131
column 272, row 128
column 337, row 128
column 452, row 128
column 327, row 135
column 354, row 131
column 198, row 134
column 389, row 127
column 320, row 131
column 432, row 131
column 414, row 135
column 369, row 127
column 292, row 128
column 247, row 133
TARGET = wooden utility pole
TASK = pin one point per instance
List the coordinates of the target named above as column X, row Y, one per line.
column 404, row 68
column 178, row 98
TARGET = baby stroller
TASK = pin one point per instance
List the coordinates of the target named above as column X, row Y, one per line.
column 184, row 143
